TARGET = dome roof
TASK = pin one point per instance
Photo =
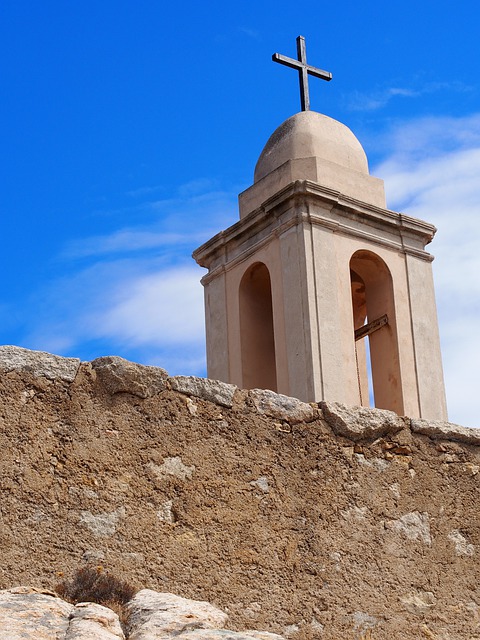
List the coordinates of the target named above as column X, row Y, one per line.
column 310, row 134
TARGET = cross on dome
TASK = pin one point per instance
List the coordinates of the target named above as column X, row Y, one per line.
column 303, row 70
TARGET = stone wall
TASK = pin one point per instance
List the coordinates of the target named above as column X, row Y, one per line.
column 41, row 615
column 303, row 520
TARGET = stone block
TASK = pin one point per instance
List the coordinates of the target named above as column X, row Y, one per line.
column 446, row 431
column 358, row 423
column 173, row 466
column 413, row 526
column 102, row 525
column 462, row 546
column 38, row 363
column 418, row 602
column 281, row 407
column 122, row 376
column 204, row 388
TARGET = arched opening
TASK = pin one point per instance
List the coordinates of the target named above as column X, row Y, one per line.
column 256, row 329
column 376, row 344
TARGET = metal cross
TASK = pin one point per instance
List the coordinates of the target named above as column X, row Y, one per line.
column 303, row 70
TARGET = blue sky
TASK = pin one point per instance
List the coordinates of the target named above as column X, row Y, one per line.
column 128, row 129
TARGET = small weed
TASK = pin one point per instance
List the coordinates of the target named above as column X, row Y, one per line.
column 90, row 584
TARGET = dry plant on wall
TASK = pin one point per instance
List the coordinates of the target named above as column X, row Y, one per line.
column 90, row 584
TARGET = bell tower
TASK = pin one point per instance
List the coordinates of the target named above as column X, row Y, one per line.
column 319, row 291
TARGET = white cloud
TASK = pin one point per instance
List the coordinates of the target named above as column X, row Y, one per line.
column 433, row 173
column 155, row 309
column 139, row 309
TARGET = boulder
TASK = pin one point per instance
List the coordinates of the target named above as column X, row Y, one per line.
column 90, row 621
column 32, row 613
column 164, row 615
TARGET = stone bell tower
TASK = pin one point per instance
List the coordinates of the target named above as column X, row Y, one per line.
column 319, row 291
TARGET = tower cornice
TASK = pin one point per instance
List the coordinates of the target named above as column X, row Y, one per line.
column 307, row 202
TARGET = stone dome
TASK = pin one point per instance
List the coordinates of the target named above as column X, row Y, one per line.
column 309, row 134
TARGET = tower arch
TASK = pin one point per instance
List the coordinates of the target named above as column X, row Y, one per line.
column 373, row 307
column 257, row 337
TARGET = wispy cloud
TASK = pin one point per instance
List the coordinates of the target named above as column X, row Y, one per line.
column 173, row 225
column 144, row 311
column 141, row 192
column 433, row 173
column 251, row 33
column 430, row 137
column 136, row 292
column 358, row 101
column 129, row 241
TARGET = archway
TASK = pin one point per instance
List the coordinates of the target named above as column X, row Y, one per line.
column 373, row 306
column 256, row 329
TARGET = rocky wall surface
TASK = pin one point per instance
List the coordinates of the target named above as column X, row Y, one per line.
column 33, row 614
column 309, row 521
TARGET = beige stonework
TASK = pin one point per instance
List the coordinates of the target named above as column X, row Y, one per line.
column 315, row 522
column 313, row 229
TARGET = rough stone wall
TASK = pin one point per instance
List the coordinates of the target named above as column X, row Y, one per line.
column 32, row 614
column 308, row 521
